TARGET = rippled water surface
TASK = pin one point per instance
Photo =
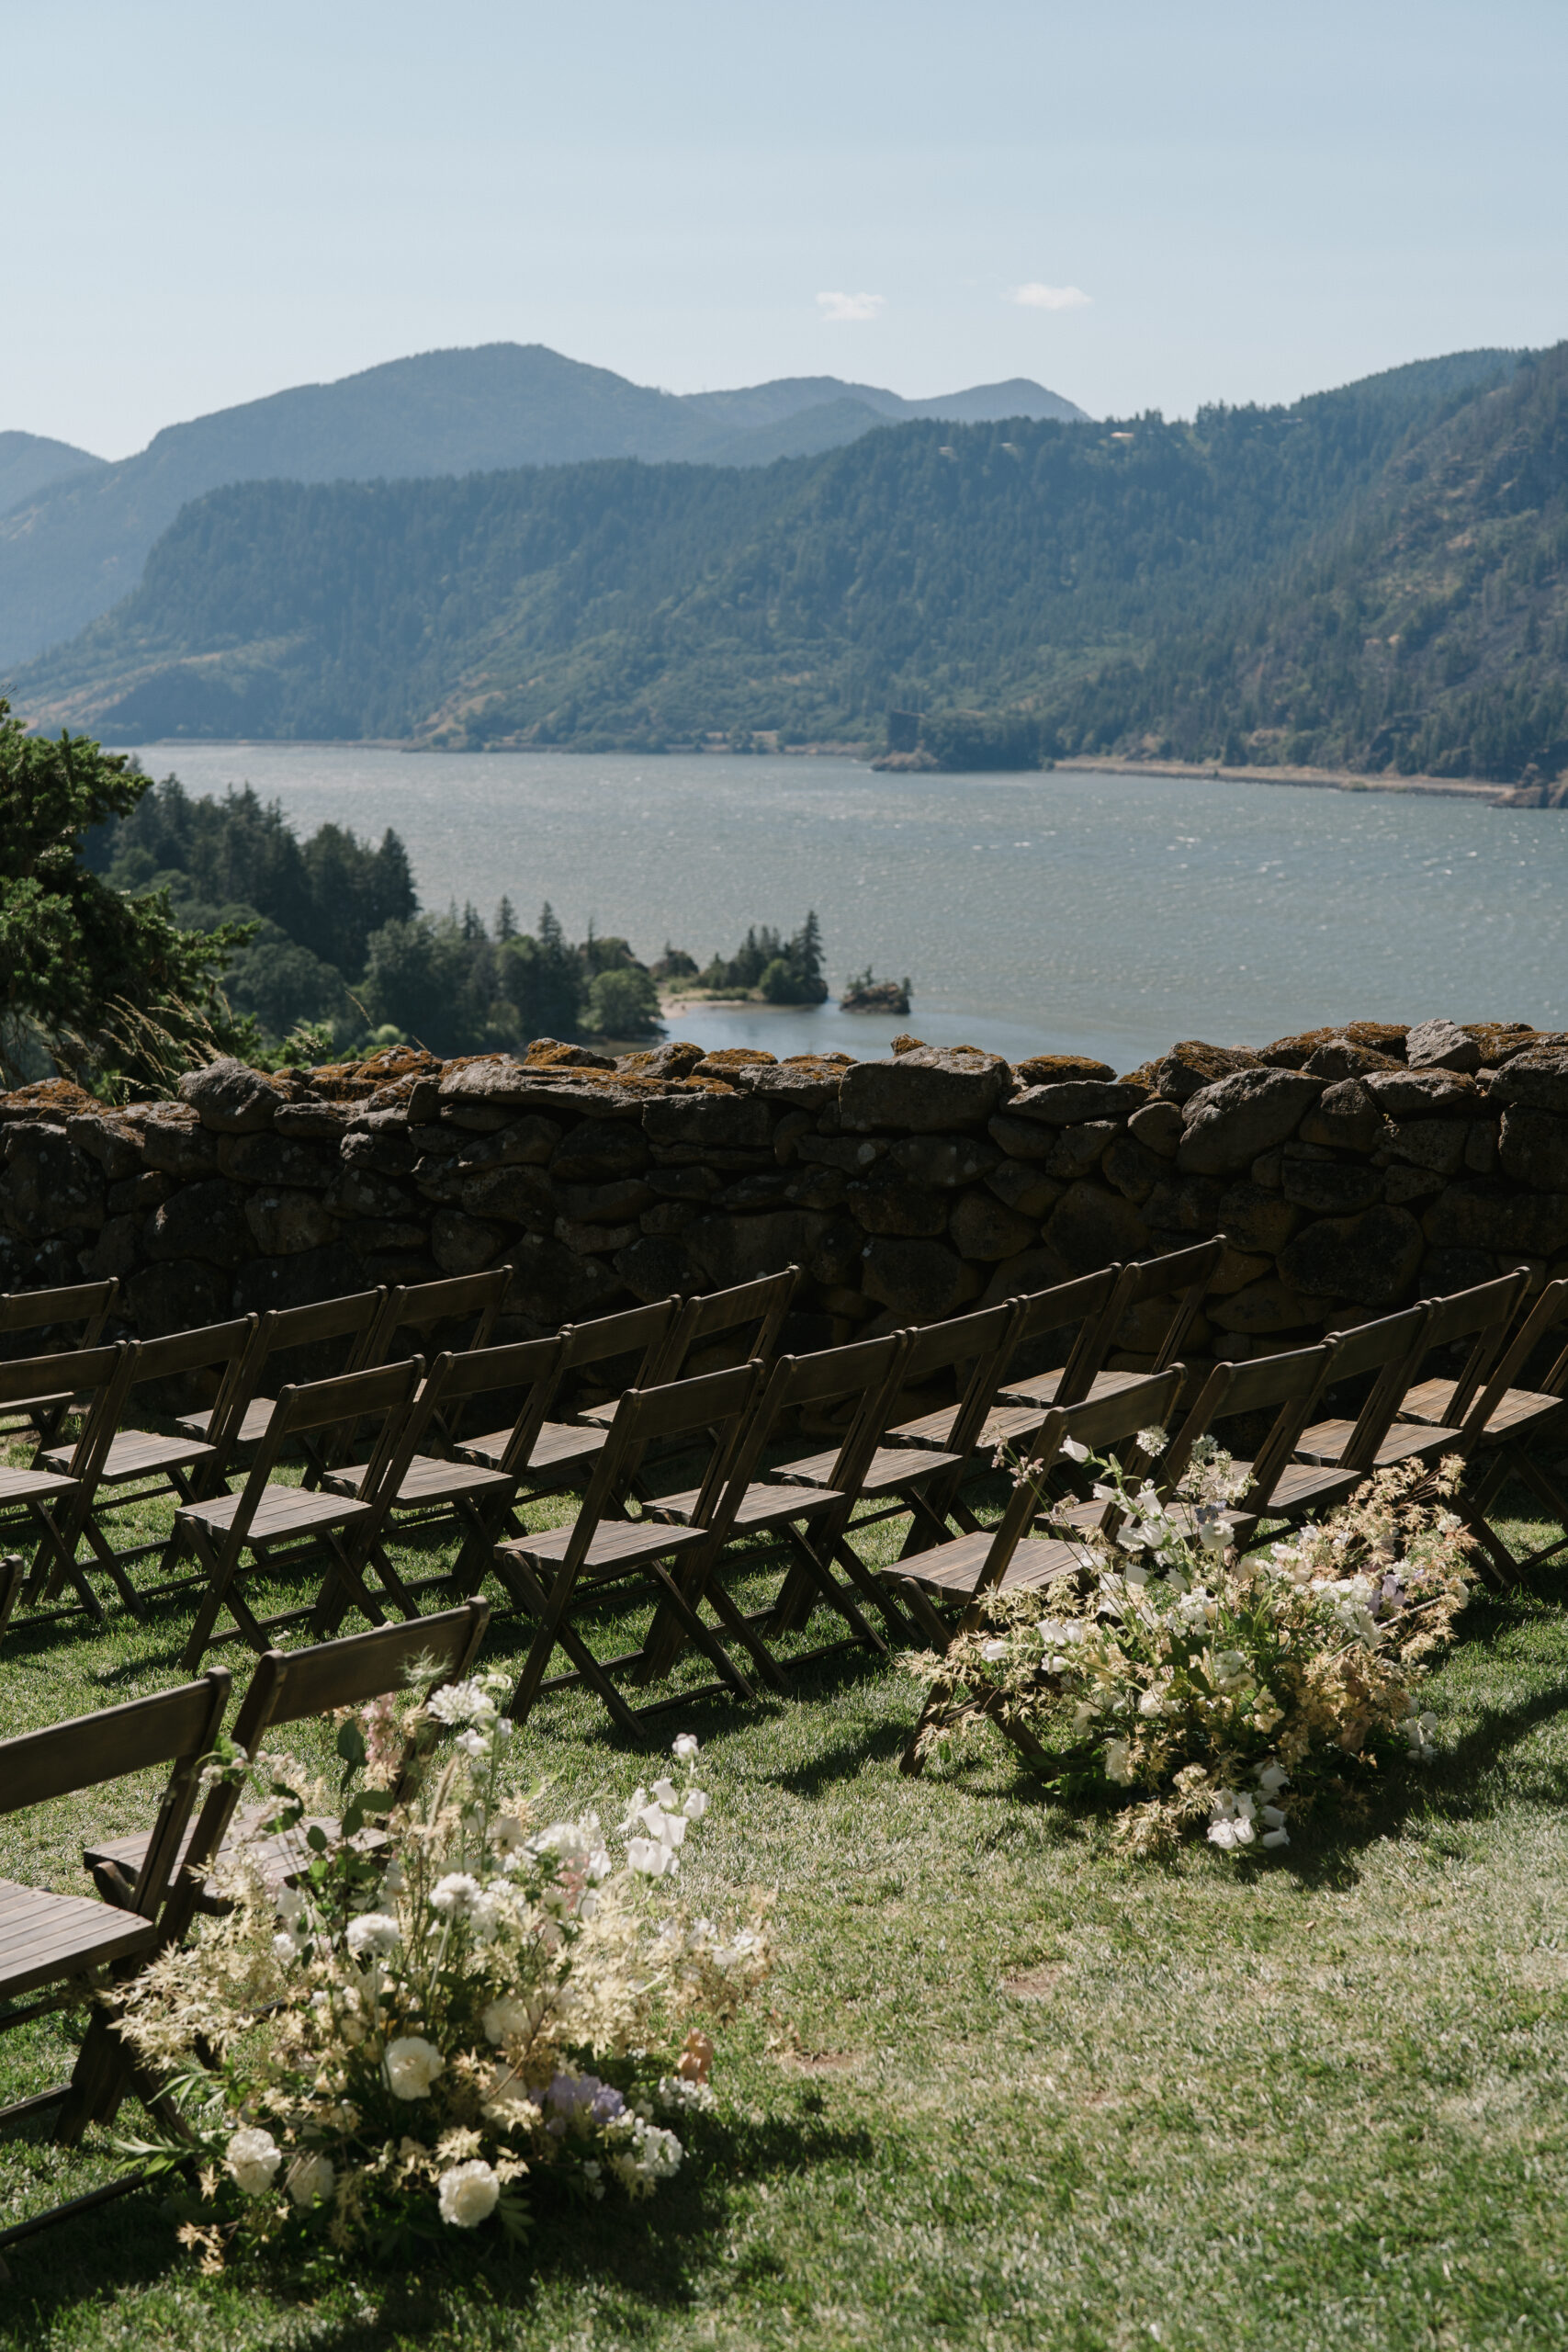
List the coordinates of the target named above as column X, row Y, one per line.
column 1069, row 911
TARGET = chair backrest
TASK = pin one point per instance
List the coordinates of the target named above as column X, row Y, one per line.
column 95, row 1373
column 716, row 1405
column 419, row 1307
column 1481, row 1315
column 292, row 1686
column 173, row 1728
column 710, row 1314
column 1287, row 1385
column 1550, row 1310
column 1392, row 1347
column 1106, row 1422
column 532, row 1366
column 1181, row 1275
column 353, row 1317
column 384, row 1394
column 1083, row 1303
column 88, row 1304
column 974, row 1348
column 635, row 1331
column 870, row 1370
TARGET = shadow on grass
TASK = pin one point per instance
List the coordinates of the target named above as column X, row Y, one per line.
column 649, row 2255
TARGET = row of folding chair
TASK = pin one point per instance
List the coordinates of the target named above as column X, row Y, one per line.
column 151, row 1884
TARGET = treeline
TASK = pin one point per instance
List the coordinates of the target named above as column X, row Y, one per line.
column 336, row 956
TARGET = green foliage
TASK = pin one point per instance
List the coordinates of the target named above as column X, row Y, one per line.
column 1373, row 575
column 623, row 1003
column 787, row 971
column 107, row 986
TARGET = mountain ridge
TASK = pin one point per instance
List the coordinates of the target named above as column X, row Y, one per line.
column 1196, row 589
column 71, row 548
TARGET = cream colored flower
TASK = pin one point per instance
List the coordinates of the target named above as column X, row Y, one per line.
column 467, row 2194
column 254, row 2157
column 411, row 2066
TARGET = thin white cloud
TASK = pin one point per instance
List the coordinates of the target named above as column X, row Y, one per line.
column 852, row 306
column 1036, row 297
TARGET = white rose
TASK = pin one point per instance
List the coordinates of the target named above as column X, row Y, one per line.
column 310, row 2176
column 413, row 2064
column 467, row 2194
column 373, row 1932
column 253, row 2155
column 685, row 1749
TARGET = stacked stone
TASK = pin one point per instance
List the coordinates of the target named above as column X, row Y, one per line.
column 1350, row 1169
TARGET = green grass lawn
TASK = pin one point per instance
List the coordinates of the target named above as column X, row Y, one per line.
column 1005, row 2089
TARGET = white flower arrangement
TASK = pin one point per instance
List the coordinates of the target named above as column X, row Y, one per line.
column 399, row 2037
column 1200, row 1687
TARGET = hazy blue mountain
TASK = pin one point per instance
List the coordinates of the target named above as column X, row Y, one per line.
column 30, row 461
column 71, row 548
column 788, row 396
column 1373, row 576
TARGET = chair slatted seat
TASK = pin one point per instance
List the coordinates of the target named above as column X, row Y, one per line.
column 52, row 1946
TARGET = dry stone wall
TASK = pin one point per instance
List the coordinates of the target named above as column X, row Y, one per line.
column 1351, row 1170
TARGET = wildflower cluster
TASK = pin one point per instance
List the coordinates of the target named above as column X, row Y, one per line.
column 412, row 2010
column 1227, row 1692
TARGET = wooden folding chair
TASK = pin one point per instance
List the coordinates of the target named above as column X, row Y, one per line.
column 266, row 1515
column 288, row 1686
column 29, row 1499
column 52, row 1946
column 350, row 1322
column 426, row 1310
column 125, row 1465
column 433, row 1487
column 751, row 1314
column 1378, row 1438
column 972, row 1569
column 1288, row 1387
column 809, row 1517
column 87, row 1306
column 566, row 1452
column 1503, row 1419
column 553, row 1572
column 1180, row 1275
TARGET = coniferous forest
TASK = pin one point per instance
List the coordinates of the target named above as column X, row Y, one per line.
column 1372, row 577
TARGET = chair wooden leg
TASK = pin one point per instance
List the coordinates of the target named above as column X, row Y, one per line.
column 550, row 1608
column 713, row 1649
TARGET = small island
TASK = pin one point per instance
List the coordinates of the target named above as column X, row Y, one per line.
column 863, row 992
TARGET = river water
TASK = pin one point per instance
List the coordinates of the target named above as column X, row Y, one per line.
column 1065, row 912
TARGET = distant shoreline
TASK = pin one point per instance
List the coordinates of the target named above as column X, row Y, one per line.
column 1319, row 779
column 1094, row 763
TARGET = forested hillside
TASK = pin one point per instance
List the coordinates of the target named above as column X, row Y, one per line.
column 1373, row 575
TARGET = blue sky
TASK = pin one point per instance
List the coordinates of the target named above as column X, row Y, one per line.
column 206, row 202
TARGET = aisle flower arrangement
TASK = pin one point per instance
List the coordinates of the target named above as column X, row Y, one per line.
column 439, row 1999
column 1210, row 1692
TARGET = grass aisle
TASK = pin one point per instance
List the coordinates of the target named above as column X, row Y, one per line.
column 1012, row 2092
